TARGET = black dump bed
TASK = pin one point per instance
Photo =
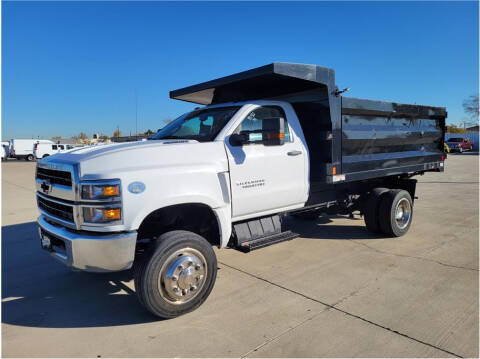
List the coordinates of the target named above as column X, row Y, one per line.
column 385, row 138
column 348, row 139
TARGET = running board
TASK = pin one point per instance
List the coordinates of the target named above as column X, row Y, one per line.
column 258, row 233
column 266, row 241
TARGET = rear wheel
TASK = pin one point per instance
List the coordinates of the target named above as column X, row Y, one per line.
column 30, row 158
column 370, row 210
column 176, row 274
column 395, row 212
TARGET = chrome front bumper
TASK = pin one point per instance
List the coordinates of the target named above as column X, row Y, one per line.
column 92, row 253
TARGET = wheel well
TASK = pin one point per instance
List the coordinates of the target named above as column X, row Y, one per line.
column 194, row 217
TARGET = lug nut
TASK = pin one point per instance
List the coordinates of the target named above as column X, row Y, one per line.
column 198, row 266
column 175, row 278
column 185, row 291
column 175, row 289
column 190, row 263
column 180, row 267
column 193, row 287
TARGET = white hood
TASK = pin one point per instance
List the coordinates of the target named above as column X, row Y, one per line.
column 96, row 162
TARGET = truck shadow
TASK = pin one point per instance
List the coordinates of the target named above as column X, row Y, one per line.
column 318, row 228
column 39, row 292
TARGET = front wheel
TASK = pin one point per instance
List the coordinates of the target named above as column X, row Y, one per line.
column 30, row 158
column 176, row 275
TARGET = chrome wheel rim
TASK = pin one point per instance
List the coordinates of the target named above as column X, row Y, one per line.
column 403, row 213
column 182, row 276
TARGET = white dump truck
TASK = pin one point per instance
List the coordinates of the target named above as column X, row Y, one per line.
column 272, row 141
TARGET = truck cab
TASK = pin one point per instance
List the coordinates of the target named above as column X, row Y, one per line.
column 268, row 142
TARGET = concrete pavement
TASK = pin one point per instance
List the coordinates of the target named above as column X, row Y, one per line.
column 337, row 291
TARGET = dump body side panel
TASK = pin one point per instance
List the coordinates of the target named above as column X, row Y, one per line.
column 384, row 138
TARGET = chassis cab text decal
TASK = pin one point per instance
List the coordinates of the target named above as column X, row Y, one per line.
column 252, row 183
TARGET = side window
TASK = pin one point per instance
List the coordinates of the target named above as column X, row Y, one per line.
column 69, row 147
column 54, row 147
column 61, row 147
column 253, row 121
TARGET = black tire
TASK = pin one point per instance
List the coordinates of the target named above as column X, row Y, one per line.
column 387, row 213
column 154, row 262
column 370, row 209
column 29, row 158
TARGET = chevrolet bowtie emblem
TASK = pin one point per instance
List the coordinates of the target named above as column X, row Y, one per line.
column 46, row 186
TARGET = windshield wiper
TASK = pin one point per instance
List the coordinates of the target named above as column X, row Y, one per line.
column 169, row 138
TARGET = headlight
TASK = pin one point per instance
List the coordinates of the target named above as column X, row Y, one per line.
column 101, row 215
column 100, row 191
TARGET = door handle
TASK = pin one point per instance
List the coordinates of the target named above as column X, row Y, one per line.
column 294, row 153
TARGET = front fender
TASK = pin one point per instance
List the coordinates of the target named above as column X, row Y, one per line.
column 223, row 214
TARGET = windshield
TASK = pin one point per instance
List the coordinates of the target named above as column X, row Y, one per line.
column 201, row 125
column 455, row 139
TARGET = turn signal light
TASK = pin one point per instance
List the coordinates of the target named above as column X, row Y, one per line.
column 98, row 191
column 275, row 136
column 109, row 191
column 101, row 215
column 111, row 214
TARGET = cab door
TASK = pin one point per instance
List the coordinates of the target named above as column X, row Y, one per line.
column 266, row 178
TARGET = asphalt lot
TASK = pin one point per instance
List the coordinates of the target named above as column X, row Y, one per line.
column 337, row 291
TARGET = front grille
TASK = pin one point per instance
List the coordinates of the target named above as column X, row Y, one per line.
column 56, row 209
column 55, row 176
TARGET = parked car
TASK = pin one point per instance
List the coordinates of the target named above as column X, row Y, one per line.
column 227, row 173
column 460, row 144
column 42, row 150
column 23, row 148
